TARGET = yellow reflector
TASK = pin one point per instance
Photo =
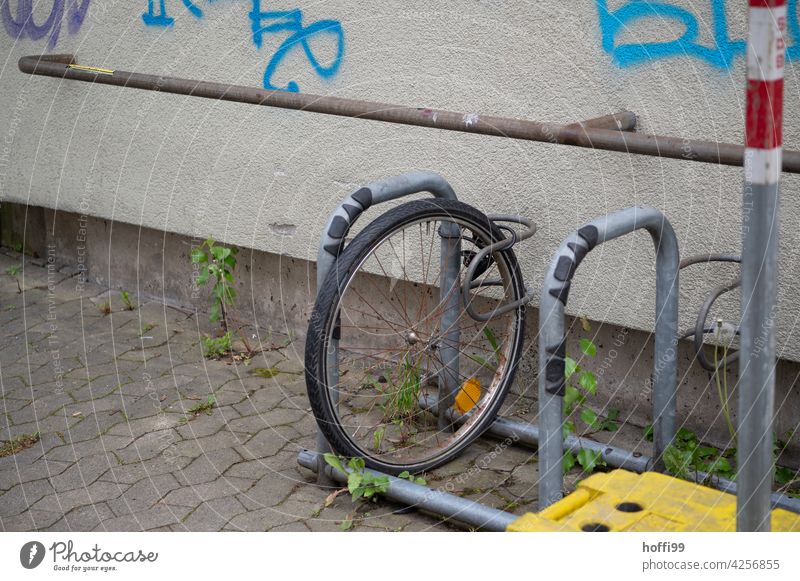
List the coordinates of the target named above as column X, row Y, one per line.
column 468, row 395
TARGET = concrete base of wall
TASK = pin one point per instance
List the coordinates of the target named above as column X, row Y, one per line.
column 277, row 293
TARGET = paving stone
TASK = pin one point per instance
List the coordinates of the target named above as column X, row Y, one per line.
column 100, row 387
column 219, row 441
column 19, row 498
column 30, row 520
column 10, row 404
column 66, row 501
column 524, row 482
column 213, row 515
column 256, row 398
column 282, row 416
column 248, row 469
column 285, row 461
column 30, row 472
column 330, row 522
column 40, row 408
column 133, row 473
column 206, row 425
column 146, row 520
column 267, row 442
column 271, row 490
column 221, row 487
column 93, row 425
column 208, row 467
column 20, row 460
column 83, row 472
column 149, row 446
column 292, row 510
column 84, row 518
column 144, row 494
column 261, row 520
column 71, row 452
column 293, row 527
column 113, row 402
column 142, row 426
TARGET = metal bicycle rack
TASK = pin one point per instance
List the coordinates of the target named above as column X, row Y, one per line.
column 612, row 133
column 333, row 240
column 548, row 436
column 552, row 338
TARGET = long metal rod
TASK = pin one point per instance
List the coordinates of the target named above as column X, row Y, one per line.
column 449, row 328
column 575, row 134
column 438, row 502
column 765, row 60
column 527, row 435
column 622, row 121
column 552, row 338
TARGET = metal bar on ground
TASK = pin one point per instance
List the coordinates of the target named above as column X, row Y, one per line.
column 438, row 502
column 528, row 435
column 570, row 134
column 763, row 140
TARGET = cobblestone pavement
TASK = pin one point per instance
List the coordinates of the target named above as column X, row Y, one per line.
column 110, row 394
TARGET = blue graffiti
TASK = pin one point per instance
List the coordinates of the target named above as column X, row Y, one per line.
column 721, row 55
column 270, row 22
column 22, row 24
column 292, row 21
column 156, row 14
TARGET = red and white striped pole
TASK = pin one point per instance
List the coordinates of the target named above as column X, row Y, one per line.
column 763, row 143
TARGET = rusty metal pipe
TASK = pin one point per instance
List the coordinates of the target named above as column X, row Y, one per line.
column 576, row 134
column 622, row 121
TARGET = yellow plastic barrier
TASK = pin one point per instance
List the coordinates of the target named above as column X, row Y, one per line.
column 625, row 501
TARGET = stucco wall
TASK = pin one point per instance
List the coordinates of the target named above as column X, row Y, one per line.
column 267, row 178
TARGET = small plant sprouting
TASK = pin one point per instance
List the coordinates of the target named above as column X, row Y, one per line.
column 126, row 299
column 214, row 348
column 147, row 327
column 13, row 272
column 18, row 444
column 490, row 364
column 401, row 396
column 217, row 262
column 105, row 307
column 360, row 482
column 203, row 407
column 721, row 379
column 405, row 475
column 686, row 454
column 581, row 384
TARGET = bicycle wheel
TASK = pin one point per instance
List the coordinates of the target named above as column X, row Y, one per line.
column 376, row 342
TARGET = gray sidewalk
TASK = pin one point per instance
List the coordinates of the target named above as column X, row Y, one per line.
column 109, row 395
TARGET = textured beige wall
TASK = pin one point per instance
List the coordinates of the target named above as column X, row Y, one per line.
column 267, row 178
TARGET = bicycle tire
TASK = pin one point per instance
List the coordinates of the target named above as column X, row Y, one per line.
column 328, row 311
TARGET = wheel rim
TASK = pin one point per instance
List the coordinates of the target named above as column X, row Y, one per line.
column 388, row 354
